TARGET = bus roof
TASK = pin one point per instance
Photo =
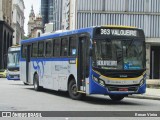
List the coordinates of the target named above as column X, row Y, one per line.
column 119, row 26
column 59, row 34
column 70, row 32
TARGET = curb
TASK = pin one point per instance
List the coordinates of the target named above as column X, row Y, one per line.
column 144, row 97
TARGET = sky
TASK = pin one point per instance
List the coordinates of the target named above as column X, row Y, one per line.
column 36, row 6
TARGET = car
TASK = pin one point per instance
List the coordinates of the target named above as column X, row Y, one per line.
column 3, row 73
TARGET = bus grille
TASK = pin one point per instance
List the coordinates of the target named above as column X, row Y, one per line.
column 13, row 76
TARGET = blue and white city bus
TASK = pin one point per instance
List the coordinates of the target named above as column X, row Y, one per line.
column 13, row 63
column 108, row 60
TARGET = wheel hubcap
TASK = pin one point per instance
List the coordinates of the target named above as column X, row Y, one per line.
column 74, row 89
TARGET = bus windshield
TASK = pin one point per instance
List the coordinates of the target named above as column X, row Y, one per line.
column 119, row 54
column 13, row 59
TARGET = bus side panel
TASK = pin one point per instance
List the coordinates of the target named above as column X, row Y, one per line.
column 62, row 70
column 37, row 67
column 31, row 72
column 46, row 77
column 23, row 71
column 56, row 73
column 62, row 81
column 71, row 70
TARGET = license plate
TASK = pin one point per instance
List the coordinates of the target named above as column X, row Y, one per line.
column 123, row 89
column 15, row 77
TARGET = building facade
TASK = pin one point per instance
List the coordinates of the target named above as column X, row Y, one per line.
column 35, row 24
column 6, row 31
column 31, row 21
column 44, row 11
column 143, row 14
column 58, row 14
column 18, row 20
column 47, row 11
column 6, row 11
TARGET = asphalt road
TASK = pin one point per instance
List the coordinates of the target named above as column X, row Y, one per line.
column 15, row 96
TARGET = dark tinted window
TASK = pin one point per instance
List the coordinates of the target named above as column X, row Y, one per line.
column 48, row 48
column 53, row 49
column 34, row 49
column 72, row 46
column 57, row 44
column 64, row 47
column 24, row 51
column 40, row 49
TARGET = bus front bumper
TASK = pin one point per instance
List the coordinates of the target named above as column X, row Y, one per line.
column 121, row 90
column 13, row 77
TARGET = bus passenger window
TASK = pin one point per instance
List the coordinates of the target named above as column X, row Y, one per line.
column 57, row 44
column 34, row 49
column 64, row 47
column 40, row 49
column 48, row 51
column 53, row 44
column 24, row 51
column 72, row 46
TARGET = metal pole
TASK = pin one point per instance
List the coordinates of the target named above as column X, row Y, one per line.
column 152, row 64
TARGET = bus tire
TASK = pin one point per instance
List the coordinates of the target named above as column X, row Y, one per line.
column 72, row 90
column 116, row 97
column 36, row 83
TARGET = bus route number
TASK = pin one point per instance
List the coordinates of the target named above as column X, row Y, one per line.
column 105, row 31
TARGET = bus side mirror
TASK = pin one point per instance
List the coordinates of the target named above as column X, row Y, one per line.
column 90, row 51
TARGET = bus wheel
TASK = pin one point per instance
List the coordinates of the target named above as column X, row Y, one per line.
column 72, row 89
column 36, row 83
column 116, row 97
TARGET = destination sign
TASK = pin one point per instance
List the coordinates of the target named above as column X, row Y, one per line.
column 117, row 32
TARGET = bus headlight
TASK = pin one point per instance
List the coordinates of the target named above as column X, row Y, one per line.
column 95, row 79
column 101, row 82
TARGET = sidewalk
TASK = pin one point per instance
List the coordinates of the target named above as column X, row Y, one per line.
column 151, row 93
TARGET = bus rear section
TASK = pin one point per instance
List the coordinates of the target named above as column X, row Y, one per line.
column 13, row 72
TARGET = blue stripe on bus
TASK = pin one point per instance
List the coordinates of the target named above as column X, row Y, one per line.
column 49, row 59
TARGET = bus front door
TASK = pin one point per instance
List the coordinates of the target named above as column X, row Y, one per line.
column 83, row 62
